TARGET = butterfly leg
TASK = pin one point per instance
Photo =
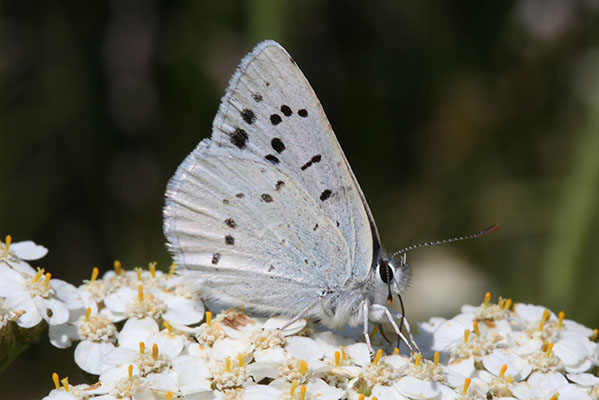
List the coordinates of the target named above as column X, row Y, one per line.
column 365, row 310
column 384, row 310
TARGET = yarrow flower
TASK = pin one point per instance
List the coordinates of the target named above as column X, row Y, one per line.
column 147, row 335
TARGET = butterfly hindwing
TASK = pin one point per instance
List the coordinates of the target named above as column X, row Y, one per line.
column 251, row 233
column 271, row 114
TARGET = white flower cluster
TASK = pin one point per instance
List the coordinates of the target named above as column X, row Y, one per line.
column 147, row 336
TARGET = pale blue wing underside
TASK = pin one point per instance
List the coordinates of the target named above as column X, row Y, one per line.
column 251, row 235
column 271, row 114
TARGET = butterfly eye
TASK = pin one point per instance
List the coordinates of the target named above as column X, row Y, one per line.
column 386, row 272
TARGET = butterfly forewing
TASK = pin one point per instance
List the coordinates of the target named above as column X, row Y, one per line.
column 252, row 233
column 271, row 114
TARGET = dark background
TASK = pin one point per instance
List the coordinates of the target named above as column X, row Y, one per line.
column 454, row 116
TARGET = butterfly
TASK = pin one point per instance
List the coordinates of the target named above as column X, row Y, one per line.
column 267, row 213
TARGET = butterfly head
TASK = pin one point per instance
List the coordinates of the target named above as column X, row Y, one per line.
column 395, row 274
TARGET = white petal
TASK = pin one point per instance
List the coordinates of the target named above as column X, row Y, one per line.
column 416, row 388
column 136, row 330
column 54, row 311
column 62, row 336
column 358, row 353
column 193, row 374
column 547, row 381
column 318, row 387
column 570, row 352
column 516, row 367
column 260, row 392
column 184, row 311
column 163, row 381
column 531, row 313
column 277, row 355
column 304, row 348
column 89, row 356
column 67, row 293
column 584, row 379
column 169, row 344
column 112, row 376
column 386, row 392
column 261, row 370
column 226, row 347
column 523, row 391
column 28, row 250
column 60, row 394
column 278, row 322
column 10, row 281
column 573, row 392
column 119, row 356
column 118, row 300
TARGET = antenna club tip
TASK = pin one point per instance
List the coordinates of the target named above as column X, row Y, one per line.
column 492, row 228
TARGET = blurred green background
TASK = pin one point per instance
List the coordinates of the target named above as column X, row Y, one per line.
column 454, row 116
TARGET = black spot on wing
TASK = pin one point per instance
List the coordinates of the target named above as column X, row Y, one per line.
column 225, row 201
column 302, row 113
column 286, row 110
column 272, row 158
column 275, row 119
column 230, row 240
column 271, row 268
column 325, row 195
column 230, row 222
column 248, row 116
column 279, row 185
column 240, row 195
column 266, row 197
column 257, row 97
column 315, row 227
column 239, row 137
column 277, row 144
column 215, row 258
column 314, row 159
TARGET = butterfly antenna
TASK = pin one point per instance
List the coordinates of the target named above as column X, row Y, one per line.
column 455, row 239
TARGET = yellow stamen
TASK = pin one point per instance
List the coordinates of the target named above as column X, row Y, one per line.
column 340, row 329
column 343, row 355
column 396, row 351
column 168, row 326
column 303, row 392
column 171, row 270
column 95, row 273
column 130, row 371
column 502, row 371
column 155, row 351
column 118, row 268
column 337, row 358
column 7, row 242
column 65, row 384
column 487, row 299
column 87, row 313
column 501, row 302
column 303, row 367
column 374, row 331
column 374, row 398
column 38, row 275
column 140, row 293
column 169, row 395
column 466, row 386
column 294, row 386
column 378, row 356
column 418, row 359
column 47, row 282
column 208, row 318
column 475, row 325
column 595, row 334
column 548, row 351
column 138, row 272
column 436, row 358
column 56, row 380
column 142, row 347
column 561, row 316
column 240, row 359
column 508, row 304
column 152, row 268
column 466, row 335
column 510, row 379
column 361, row 397
column 546, row 315
column 228, row 364
column 555, row 396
